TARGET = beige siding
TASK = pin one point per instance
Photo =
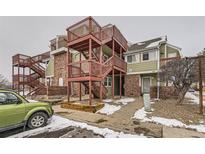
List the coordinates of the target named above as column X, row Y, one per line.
column 162, row 51
column 143, row 66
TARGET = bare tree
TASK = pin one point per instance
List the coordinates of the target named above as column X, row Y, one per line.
column 181, row 73
column 3, row 82
column 202, row 52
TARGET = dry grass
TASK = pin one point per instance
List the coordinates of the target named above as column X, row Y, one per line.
column 187, row 113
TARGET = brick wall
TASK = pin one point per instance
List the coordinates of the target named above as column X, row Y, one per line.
column 60, row 66
column 164, row 92
column 53, row 91
column 132, row 87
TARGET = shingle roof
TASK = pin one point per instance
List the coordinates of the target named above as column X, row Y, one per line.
column 147, row 44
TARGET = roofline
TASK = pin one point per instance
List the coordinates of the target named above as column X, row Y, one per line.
column 154, row 47
column 174, row 46
column 151, row 39
column 141, row 50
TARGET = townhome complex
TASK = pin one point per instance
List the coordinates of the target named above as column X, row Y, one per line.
column 96, row 61
column 144, row 60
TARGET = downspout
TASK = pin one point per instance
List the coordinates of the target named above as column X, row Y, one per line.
column 158, row 69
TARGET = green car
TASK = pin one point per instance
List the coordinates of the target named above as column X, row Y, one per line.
column 16, row 111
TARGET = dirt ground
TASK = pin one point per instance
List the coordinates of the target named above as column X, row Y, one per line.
column 69, row 132
column 187, row 113
column 122, row 120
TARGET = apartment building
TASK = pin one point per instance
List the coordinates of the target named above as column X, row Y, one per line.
column 143, row 64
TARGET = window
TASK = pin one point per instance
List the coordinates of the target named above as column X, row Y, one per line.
column 129, row 59
column 8, row 98
column 11, row 98
column 149, row 56
column 108, row 82
column 133, row 58
column 2, row 98
column 145, row 56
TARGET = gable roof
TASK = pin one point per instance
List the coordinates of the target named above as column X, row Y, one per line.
column 152, row 43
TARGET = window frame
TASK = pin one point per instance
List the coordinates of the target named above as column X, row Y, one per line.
column 108, row 81
column 148, row 52
column 143, row 56
column 137, row 58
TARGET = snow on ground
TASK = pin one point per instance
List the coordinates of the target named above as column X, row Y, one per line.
column 109, row 109
column 107, row 100
column 125, row 101
column 141, row 114
column 193, row 98
column 58, row 123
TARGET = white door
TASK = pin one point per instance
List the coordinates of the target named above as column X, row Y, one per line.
column 146, row 85
column 60, row 81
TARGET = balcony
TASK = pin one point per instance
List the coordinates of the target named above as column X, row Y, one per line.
column 112, row 31
column 20, row 59
column 119, row 63
column 163, row 61
column 41, row 57
column 92, row 68
column 84, row 69
column 83, row 28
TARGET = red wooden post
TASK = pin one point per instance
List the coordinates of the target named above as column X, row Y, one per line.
column 90, row 24
column 90, row 84
column 29, row 79
column 80, row 93
column 23, row 81
column 13, row 73
column 120, row 74
column 113, row 71
column 201, row 107
column 18, row 80
column 68, row 74
column 101, row 72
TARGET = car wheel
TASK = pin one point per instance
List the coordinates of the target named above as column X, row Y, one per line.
column 37, row 120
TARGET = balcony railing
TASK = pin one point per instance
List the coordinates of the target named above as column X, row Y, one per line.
column 113, row 31
column 27, row 60
column 81, row 69
column 20, row 59
column 163, row 61
column 83, row 28
column 41, row 57
column 120, row 63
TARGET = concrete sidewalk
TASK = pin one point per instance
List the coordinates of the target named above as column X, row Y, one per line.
column 122, row 120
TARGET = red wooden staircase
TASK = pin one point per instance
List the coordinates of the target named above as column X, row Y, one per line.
column 31, row 81
column 88, row 38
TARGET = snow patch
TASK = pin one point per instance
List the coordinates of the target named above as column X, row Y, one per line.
column 107, row 100
column 58, row 123
column 167, row 122
column 109, row 109
column 141, row 114
column 193, row 98
column 125, row 101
